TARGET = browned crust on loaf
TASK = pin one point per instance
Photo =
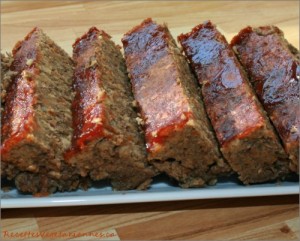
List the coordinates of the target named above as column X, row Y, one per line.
column 179, row 138
column 274, row 69
column 107, row 142
column 247, row 138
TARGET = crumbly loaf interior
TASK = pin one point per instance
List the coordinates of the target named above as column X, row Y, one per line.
column 43, row 184
column 259, row 145
column 184, row 157
column 6, row 76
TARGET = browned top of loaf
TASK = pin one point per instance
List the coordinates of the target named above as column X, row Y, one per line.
column 274, row 68
column 89, row 119
column 42, row 81
column 230, row 103
column 18, row 118
column 163, row 104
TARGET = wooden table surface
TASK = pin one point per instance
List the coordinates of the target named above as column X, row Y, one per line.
column 241, row 218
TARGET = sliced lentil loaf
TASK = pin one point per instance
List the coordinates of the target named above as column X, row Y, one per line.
column 247, row 138
column 107, row 141
column 36, row 126
column 274, row 69
column 179, row 137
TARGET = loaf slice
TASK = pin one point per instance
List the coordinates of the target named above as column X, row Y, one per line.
column 179, row 137
column 107, row 142
column 37, row 119
column 245, row 134
column 274, row 69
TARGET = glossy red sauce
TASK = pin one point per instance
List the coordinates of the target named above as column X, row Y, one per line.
column 18, row 117
column 88, row 109
column 274, row 72
column 163, row 105
column 228, row 100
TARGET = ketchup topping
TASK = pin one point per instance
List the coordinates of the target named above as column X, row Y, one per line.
column 87, row 108
column 227, row 95
column 18, row 117
column 274, row 71
column 163, row 105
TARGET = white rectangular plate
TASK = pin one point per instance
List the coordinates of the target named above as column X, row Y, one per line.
column 160, row 190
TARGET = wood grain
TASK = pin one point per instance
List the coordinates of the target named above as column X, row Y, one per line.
column 65, row 21
column 263, row 218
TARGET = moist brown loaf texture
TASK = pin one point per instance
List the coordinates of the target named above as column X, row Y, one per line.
column 179, row 137
column 107, row 141
column 6, row 78
column 247, row 139
column 274, row 69
column 36, row 126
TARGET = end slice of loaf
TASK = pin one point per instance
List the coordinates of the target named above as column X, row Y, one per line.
column 274, row 69
column 247, row 139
